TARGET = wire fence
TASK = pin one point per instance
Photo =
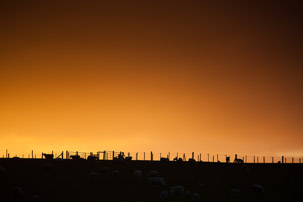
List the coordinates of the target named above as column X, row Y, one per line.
column 156, row 156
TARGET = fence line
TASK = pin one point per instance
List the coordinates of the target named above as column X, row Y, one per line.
column 156, row 156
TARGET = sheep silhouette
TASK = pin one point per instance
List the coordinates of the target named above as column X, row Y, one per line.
column 238, row 160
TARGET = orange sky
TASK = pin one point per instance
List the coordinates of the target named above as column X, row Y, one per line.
column 203, row 76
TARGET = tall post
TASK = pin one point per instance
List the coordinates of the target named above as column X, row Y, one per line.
column 208, row 157
column 245, row 158
column 263, row 159
column 257, row 159
column 137, row 156
column 193, row 155
column 200, row 157
column 282, row 159
column 6, row 156
column 272, row 159
column 217, row 158
column 144, row 156
column 104, row 153
column 293, row 160
column 151, row 156
column 254, row 159
column 213, row 158
column 32, row 154
column 168, row 155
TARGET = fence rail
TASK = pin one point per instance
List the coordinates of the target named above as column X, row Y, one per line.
column 156, row 156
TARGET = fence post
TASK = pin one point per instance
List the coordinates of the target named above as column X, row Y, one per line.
column 208, row 157
column 137, row 156
column 257, row 159
column 217, row 158
column 293, row 160
column 193, row 155
column 32, row 154
column 168, row 156
column 263, row 159
column 245, row 158
column 200, row 157
column 272, row 159
column 144, row 156
column 6, row 154
column 213, row 158
column 282, row 159
column 151, row 156
column 254, row 159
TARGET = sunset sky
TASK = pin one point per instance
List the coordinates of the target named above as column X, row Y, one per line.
column 160, row 75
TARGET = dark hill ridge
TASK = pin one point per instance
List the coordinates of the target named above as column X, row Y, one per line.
column 68, row 180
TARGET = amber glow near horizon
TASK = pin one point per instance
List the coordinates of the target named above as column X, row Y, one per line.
column 179, row 76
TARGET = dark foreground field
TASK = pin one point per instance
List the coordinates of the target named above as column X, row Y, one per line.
column 67, row 180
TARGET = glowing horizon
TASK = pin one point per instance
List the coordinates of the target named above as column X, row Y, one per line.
column 200, row 77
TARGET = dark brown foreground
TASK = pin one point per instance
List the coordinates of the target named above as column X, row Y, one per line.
column 67, row 180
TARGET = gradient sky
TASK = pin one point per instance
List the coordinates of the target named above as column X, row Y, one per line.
column 162, row 75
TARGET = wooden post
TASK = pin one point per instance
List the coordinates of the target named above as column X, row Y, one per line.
column 84, row 155
column 6, row 156
column 168, row 155
column 151, row 156
column 104, row 155
column 160, row 156
column 245, row 158
column 263, row 159
column 193, row 155
column 32, row 154
column 200, row 157
column 217, row 158
column 53, row 153
column 113, row 154
column 213, row 158
column 137, row 156
column 207, row 157
column 257, row 159
column 42, row 155
column 144, row 156
column 282, row 159
column 254, row 159
column 293, row 160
